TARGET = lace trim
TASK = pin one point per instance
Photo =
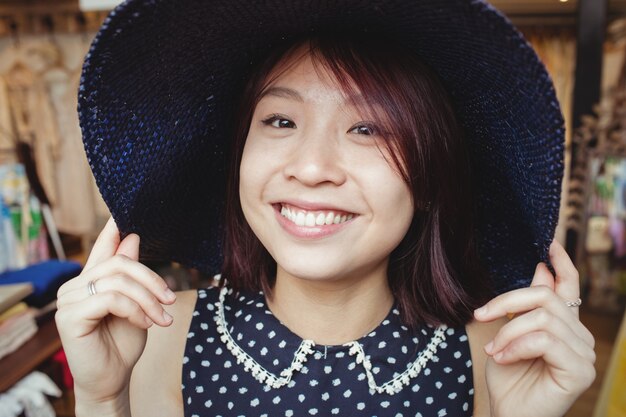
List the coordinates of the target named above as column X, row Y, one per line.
column 396, row 384
column 250, row 365
column 262, row 375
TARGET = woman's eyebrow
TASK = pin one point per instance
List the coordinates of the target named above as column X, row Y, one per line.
column 283, row 92
column 289, row 93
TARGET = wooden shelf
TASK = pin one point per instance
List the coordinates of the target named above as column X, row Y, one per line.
column 41, row 346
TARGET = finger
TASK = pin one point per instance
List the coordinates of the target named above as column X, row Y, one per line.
column 540, row 319
column 542, row 276
column 127, row 287
column 106, row 244
column 570, row 371
column 129, row 247
column 120, row 264
column 80, row 319
column 567, row 284
column 522, row 300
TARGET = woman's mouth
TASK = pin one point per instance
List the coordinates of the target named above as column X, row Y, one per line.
column 313, row 218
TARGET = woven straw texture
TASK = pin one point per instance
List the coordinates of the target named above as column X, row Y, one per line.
column 161, row 79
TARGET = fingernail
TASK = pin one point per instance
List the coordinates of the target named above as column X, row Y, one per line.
column 488, row 347
column 166, row 316
column 499, row 355
column 481, row 311
column 148, row 321
column 169, row 294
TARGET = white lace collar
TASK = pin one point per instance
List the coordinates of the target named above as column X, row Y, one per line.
column 305, row 349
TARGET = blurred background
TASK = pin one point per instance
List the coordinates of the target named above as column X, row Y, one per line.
column 51, row 211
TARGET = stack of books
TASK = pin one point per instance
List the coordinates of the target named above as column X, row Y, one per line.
column 17, row 320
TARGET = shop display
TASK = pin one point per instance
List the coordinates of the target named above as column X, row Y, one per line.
column 40, row 72
column 597, row 199
column 17, row 325
column 38, row 85
column 22, row 235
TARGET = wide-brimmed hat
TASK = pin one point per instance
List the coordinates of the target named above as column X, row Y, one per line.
column 163, row 76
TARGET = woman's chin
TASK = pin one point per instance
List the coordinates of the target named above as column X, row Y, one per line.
column 311, row 271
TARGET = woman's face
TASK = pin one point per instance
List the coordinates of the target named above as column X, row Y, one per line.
column 315, row 186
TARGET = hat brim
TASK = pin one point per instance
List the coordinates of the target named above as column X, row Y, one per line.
column 161, row 79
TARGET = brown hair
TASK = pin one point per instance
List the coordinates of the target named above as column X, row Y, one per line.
column 435, row 273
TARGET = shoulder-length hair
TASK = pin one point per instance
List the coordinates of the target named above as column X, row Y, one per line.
column 435, row 273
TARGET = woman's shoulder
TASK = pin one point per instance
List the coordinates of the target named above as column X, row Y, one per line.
column 155, row 387
column 479, row 334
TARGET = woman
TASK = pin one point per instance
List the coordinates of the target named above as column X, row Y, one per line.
column 380, row 190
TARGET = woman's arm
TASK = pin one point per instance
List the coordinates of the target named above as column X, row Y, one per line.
column 479, row 334
column 103, row 316
column 155, row 384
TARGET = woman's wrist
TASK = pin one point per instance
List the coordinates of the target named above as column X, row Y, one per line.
column 118, row 406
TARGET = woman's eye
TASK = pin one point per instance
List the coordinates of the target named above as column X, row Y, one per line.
column 364, row 129
column 279, row 122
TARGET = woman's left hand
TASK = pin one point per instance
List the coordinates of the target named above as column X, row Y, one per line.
column 543, row 359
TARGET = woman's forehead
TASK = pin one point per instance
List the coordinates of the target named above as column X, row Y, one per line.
column 300, row 78
column 304, row 74
column 304, row 78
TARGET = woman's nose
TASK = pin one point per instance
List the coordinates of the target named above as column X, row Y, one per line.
column 316, row 160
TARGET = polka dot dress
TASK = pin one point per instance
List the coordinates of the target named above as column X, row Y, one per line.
column 240, row 360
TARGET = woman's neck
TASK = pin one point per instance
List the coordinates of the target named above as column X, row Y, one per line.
column 331, row 312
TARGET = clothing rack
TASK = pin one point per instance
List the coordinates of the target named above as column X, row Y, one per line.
column 16, row 21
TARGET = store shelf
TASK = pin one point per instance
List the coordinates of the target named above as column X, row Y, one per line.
column 29, row 356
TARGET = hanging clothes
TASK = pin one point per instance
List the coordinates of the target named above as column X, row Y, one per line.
column 41, row 83
column 34, row 122
column 7, row 141
column 80, row 207
column 75, row 209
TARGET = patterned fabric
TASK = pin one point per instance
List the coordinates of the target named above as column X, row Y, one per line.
column 331, row 380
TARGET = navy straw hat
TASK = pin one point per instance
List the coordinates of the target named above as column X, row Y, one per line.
column 163, row 76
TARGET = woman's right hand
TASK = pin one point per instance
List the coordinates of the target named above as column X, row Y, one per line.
column 104, row 334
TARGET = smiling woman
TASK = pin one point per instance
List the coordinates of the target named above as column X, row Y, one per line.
column 323, row 133
column 393, row 166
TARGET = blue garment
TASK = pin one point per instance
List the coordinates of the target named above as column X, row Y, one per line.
column 46, row 277
column 332, row 380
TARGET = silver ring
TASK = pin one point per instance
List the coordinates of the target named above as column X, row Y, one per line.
column 574, row 303
column 91, row 287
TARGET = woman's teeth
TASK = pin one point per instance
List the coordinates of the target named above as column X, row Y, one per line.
column 313, row 218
